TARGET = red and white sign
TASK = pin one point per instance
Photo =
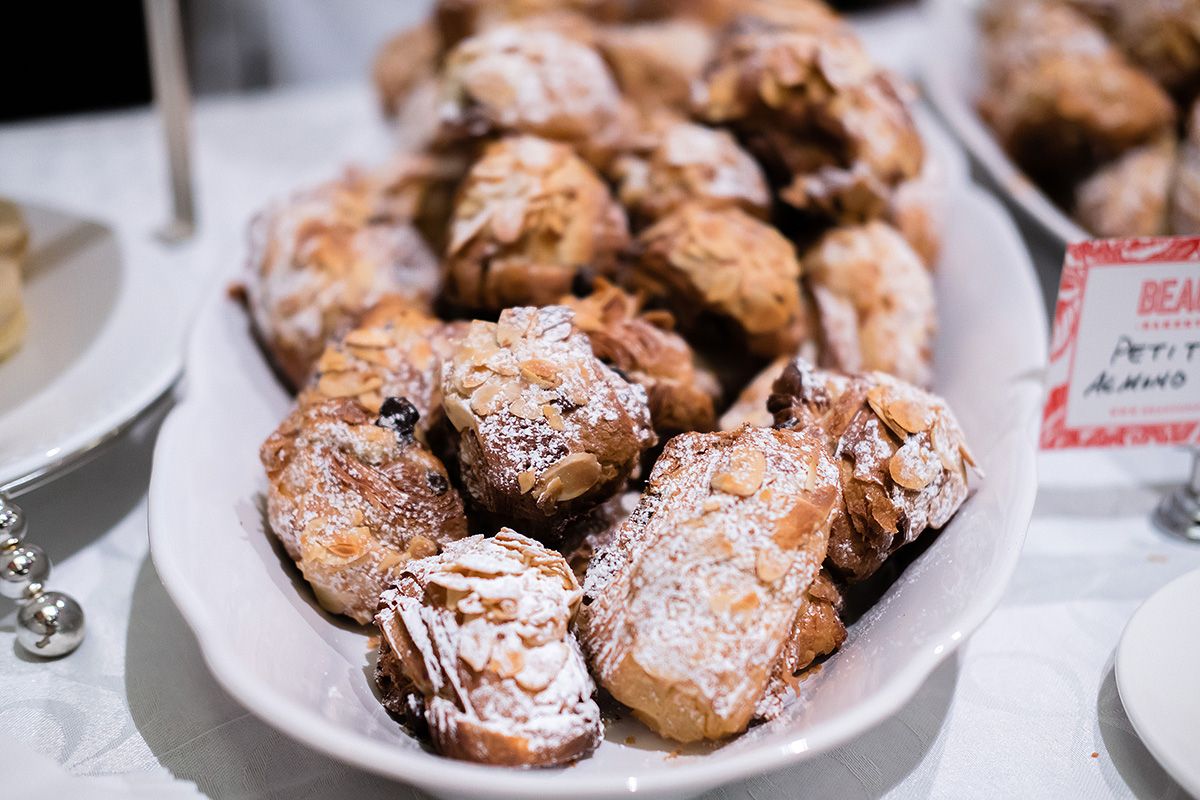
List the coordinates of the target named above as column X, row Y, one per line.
column 1125, row 355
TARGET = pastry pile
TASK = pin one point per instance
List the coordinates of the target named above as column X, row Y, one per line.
column 1096, row 101
column 515, row 445
column 14, row 240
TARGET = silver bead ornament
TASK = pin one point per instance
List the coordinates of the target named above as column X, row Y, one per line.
column 23, row 568
column 12, row 526
column 51, row 624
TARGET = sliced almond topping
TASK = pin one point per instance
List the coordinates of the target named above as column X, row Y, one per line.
column 914, row 466
column 540, row 372
column 458, row 412
column 333, row 360
column 553, row 418
column 747, row 602
column 575, row 473
column 745, row 475
column 770, row 565
column 371, row 338
column 551, row 492
column 506, row 662
column 526, row 480
column 483, row 401
column 524, row 409
column 421, row 547
column 347, row 384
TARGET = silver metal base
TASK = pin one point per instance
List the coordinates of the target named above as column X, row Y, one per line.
column 1179, row 514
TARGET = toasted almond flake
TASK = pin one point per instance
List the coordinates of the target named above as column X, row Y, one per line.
column 506, row 663
column 745, row 474
column 332, row 360
column 747, row 602
column 370, row 338
column 483, row 401
column 524, row 409
column 526, row 480
column 770, row 565
column 540, row 372
column 421, row 547
column 553, row 418
column 553, row 489
column 458, row 412
column 576, row 474
column 914, row 466
column 347, row 384
column 475, row 377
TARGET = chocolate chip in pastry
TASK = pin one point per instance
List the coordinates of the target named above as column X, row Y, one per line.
column 687, row 612
column 874, row 301
column 546, row 431
column 532, row 79
column 684, row 162
column 1128, row 196
column 353, row 497
column 817, row 632
column 396, row 351
column 320, row 259
column 476, row 643
column 903, row 458
column 726, row 265
column 643, row 347
column 530, row 216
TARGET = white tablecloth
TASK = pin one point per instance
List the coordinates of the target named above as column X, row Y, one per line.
column 1028, row 708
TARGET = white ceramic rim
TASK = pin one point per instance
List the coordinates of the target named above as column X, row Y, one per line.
column 942, row 18
column 1163, row 752
column 474, row 780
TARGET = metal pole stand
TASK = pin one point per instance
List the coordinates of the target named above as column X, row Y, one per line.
column 1179, row 512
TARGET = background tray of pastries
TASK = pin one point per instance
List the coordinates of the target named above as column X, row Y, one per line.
column 1082, row 111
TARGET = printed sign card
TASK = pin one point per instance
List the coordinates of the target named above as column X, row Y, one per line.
column 1125, row 355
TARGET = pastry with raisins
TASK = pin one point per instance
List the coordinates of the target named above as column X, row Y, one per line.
column 353, row 497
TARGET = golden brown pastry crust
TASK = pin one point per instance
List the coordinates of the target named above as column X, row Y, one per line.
column 684, row 162
column 1128, row 196
column 321, row 258
column 687, row 611
column 532, row 79
column 529, row 217
column 352, row 500
column 831, row 126
column 728, row 265
column 817, row 632
column 406, row 60
column 476, row 642
column 396, row 351
column 656, row 62
column 546, row 431
column 1163, row 37
column 644, row 348
column 903, row 458
column 874, row 301
column 1060, row 97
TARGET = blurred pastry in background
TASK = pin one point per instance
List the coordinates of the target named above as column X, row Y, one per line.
column 12, row 311
column 1060, row 96
column 14, row 234
column 14, row 240
column 1128, row 196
